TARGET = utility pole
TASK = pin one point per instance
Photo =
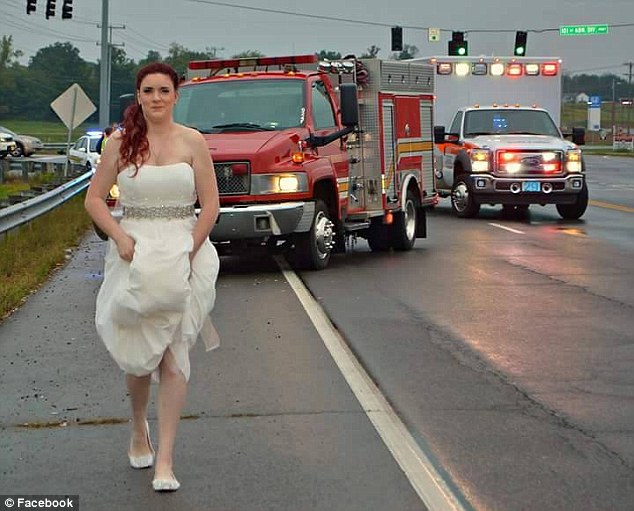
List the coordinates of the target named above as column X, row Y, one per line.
column 104, row 65
column 629, row 96
column 613, row 121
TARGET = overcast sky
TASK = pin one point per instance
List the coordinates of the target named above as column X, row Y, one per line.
column 201, row 24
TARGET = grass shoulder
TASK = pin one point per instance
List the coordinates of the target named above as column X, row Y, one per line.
column 31, row 253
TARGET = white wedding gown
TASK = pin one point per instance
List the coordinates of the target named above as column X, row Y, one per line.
column 158, row 301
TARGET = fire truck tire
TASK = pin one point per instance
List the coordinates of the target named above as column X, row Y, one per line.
column 463, row 202
column 379, row 236
column 99, row 232
column 577, row 209
column 313, row 248
column 404, row 227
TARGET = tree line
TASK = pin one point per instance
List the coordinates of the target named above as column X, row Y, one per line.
column 26, row 91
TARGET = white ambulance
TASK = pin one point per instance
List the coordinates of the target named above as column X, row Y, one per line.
column 498, row 137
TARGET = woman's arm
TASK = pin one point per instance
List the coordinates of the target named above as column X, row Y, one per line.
column 95, row 203
column 206, row 188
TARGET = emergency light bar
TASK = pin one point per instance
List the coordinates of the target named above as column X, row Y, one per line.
column 496, row 68
column 252, row 62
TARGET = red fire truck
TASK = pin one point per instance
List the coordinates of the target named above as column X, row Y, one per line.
column 310, row 154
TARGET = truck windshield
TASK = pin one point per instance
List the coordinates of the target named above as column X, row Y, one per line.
column 241, row 105
column 507, row 122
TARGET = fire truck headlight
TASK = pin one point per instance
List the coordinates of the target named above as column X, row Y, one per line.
column 573, row 161
column 480, row 160
column 279, row 183
column 288, row 183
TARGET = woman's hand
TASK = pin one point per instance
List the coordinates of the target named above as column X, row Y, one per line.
column 125, row 247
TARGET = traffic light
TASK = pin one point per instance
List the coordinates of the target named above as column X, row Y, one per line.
column 458, row 46
column 520, row 44
column 67, row 9
column 30, row 6
column 397, row 38
column 50, row 9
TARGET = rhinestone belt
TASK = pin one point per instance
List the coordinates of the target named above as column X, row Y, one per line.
column 158, row 211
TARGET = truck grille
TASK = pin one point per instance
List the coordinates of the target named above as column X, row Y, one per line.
column 231, row 182
column 528, row 163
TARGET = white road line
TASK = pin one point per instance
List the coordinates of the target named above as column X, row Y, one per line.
column 506, row 228
column 432, row 489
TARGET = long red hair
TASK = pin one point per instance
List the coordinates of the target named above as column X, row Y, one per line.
column 135, row 147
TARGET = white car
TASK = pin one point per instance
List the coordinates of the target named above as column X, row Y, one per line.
column 85, row 151
column 7, row 144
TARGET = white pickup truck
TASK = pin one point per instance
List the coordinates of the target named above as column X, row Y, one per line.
column 510, row 155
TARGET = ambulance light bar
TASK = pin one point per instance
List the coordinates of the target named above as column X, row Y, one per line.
column 497, row 69
column 252, row 62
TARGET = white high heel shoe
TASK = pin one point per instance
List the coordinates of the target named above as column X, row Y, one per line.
column 166, row 484
column 147, row 460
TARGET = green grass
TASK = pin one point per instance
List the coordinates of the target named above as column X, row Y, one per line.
column 576, row 114
column 17, row 185
column 30, row 253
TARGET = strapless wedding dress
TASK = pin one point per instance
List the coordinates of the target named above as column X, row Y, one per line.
column 158, row 301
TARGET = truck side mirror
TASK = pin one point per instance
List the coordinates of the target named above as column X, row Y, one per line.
column 579, row 136
column 349, row 104
column 439, row 134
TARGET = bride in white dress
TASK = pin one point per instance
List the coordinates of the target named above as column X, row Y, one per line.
column 160, row 267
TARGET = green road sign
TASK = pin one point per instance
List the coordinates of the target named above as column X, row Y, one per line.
column 583, row 29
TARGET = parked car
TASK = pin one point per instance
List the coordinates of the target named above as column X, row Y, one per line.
column 7, row 144
column 85, row 150
column 25, row 145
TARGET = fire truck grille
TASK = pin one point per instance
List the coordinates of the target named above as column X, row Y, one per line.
column 529, row 163
column 232, row 179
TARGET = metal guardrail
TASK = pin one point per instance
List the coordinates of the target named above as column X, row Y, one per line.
column 59, row 145
column 25, row 211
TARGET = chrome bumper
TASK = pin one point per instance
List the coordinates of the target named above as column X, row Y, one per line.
column 262, row 220
column 501, row 190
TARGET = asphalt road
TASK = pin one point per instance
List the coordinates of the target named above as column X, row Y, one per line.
column 505, row 345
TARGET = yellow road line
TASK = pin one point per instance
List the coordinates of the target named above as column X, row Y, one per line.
column 609, row 205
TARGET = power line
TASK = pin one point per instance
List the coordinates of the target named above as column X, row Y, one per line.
column 570, row 71
column 377, row 23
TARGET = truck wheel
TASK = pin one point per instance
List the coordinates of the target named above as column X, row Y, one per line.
column 18, row 151
column 313, row 248
column 462, row 200
column 99, row 232
column 379, row 236
column 575, row 210
column 404, row 228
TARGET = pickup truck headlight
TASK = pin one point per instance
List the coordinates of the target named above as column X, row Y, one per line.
column 287, row 182
column 573, row 161
column 480, row 160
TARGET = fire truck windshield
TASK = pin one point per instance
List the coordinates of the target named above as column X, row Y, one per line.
column 241, row 105
column 507, row 122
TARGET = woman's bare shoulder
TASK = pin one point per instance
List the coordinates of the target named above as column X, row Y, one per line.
column 189, row 133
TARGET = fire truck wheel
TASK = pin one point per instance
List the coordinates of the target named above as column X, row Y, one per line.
column 379, row 236
column 404, row 228
column 313, row 248
column 462, row 200
column 99, row 232
column 575, row 210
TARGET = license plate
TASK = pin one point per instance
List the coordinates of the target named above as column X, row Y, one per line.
column 531, row 186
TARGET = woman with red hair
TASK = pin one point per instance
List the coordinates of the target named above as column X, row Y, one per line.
column 160, row 267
